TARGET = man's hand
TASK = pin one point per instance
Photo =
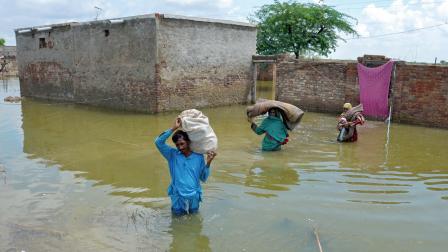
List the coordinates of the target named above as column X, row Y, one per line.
column 177, row 123
column 210, row 156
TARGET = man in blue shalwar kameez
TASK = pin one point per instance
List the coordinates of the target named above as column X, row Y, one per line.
column 187, row 169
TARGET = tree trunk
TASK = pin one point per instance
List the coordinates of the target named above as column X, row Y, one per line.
column 296, row 54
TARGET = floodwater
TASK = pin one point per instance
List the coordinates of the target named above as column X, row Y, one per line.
column 264, row 90
column 77, row 178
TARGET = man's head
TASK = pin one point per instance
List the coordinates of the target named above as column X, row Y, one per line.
column 347, row 106
column 181, row 140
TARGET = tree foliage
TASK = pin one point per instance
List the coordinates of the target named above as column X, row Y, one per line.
column 299, row 28
column 2, row 42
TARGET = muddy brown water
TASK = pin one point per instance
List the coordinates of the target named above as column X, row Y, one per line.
column 77, row 178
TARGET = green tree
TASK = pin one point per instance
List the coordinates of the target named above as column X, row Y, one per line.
column 2, row 42
column 299, row 28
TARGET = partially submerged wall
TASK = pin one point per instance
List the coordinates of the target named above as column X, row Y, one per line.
column 203, row 62
column 95, row 63
column 315, row 85
column 45, row 62
column 115, row 64
column 10, row 68
column 8, row 62
column 421, row 95
column 146, row 63
column 419, row 92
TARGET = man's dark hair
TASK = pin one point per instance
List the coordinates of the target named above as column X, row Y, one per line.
column 180, row 134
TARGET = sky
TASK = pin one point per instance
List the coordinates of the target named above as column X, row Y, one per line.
column 410, row 30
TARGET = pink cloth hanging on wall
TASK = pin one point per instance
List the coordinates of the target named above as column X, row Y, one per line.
column 374, row 89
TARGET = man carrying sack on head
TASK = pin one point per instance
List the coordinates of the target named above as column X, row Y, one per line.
column 186, row 162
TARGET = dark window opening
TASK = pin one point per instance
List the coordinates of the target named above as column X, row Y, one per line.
column 106, row 33
column 42, row 43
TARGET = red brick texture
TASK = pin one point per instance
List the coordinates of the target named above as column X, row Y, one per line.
column 317, row 85
column 421, row 95
column 419, row 92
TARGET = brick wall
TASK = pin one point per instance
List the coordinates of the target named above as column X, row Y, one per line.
column 8, row 57
column 11, row 68
column 149, row 63
column 46, row 72
column 317, row 85
column 96, row 63
column 421, row 95
column 420, row 92
column 203, row 64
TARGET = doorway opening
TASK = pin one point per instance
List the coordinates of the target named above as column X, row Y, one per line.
column 265, row 73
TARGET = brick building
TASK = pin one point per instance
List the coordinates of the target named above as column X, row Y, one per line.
column 8, row 62
column 148, row 63
column 418, row 92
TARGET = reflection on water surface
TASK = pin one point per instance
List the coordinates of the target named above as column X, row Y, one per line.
column 81, row 178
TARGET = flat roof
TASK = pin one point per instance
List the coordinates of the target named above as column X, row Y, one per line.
column 209, row 20
column 166, row 16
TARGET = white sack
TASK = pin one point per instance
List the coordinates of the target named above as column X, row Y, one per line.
column 201, row 134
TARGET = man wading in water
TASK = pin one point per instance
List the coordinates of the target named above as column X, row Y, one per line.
column 275, row 129
column 187, row 169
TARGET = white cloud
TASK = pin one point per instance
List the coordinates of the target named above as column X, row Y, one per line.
column 428, row 4
column 225, row 3
column 442, row 10
column 362, row 30
column 27, row 13
column 399, row 16
column 234, row 10
column 217, row 3
column 184, row 2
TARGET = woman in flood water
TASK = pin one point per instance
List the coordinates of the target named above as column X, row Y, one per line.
column 187, row 169
column 275, row 131
column 347, row 122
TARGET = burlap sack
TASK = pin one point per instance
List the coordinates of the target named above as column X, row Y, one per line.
column 201, row 134
column 291, row 113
